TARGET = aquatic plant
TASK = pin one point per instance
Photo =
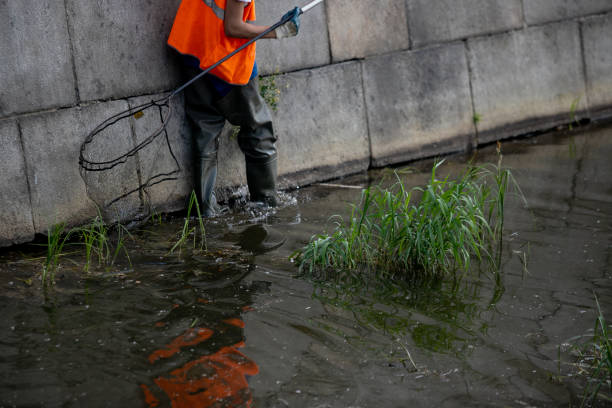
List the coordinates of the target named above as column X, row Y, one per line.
column 193, row 231
column 595, row 360
column 453, row 222
column 156, row 217
column 95, row 237
column 56, row 239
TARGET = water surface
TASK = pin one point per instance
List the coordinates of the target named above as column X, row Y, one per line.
column 235, row 327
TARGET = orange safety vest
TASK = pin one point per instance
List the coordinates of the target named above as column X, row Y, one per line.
column 198, row 31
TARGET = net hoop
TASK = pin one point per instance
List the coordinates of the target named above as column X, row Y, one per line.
column 90, row 165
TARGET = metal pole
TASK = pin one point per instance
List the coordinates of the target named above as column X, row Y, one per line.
column 310, row 5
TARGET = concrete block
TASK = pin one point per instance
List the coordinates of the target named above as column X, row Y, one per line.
column 542, row 11
column 418, row 103
column 120, row 47
column 526, row 80
column 156, row 160
column 310, row 48
column 58, row 192
column 360, row 28
column 35, row 66
column 321, row 124
column 597, row 41
column 592, row 182
column 445, row 20
column 15, row 212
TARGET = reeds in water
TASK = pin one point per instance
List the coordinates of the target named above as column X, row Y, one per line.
column 95, row 237
column 595, row 361
column 198, row 232
column 56, row 239
column 394, row 235
column 100, row 241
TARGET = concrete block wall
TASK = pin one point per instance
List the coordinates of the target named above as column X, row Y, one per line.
column 119, row 47
column 365, row 84
column 416, row 103
column 531, row 84
column 15, row 211
column 361, row 28
column 447, row 20
column 36, row 69
column 597, row 48
column 321, row 124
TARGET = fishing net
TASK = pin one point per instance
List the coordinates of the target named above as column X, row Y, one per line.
column 118, row 171
column 127, row 154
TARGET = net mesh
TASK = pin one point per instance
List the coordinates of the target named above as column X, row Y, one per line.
column 119, row 159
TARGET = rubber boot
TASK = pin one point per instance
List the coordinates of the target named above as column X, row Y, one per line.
column 205, row 176
column 261, row 178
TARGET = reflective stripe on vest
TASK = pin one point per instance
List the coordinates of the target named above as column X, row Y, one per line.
column 219, row 12
column 198, row 31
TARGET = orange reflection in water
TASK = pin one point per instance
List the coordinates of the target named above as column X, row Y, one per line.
column 216, row 380
column 235, row 322
column 190, row 338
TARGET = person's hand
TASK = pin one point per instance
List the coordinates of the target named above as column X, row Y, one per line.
column 292, row 26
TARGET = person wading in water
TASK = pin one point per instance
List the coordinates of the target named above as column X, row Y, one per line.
column 205, row 31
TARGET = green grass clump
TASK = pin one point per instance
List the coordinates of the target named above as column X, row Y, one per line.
column 393, row 234
column 56, row 239
column 188, row 230
column 595, row 361
column 95, row 237
column 269, row 91
column 99, row 240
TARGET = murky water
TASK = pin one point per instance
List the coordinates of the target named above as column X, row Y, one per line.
column 234, row 327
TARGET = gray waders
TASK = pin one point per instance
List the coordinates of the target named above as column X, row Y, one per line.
column 243, row 106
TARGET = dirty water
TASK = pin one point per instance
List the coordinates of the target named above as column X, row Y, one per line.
column 235, row 327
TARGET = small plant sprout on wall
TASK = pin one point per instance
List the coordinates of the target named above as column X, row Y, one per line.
column 269, row 91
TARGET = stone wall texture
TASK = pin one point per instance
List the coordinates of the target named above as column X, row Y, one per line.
column 36, row 70
column 119, row 47
column 543, row 11
column 525, row 80
column 365, row 84
column 432, row 22
column 416, row 103
column 597, row 38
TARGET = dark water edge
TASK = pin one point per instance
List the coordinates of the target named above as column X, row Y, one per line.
column 236, row 327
